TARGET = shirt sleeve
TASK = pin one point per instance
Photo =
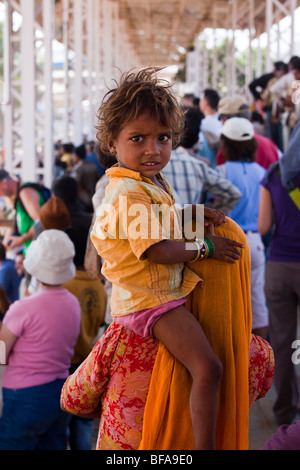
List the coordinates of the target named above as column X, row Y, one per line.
column 286, row 438
column 15, row 318
column 225, row 194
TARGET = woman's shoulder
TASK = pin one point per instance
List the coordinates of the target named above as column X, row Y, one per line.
column 271, row 174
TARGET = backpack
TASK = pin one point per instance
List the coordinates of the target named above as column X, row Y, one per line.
column 46, row 193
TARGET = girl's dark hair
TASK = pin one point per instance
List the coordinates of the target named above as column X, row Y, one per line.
column 137, row 93
column 235, row 151
column 106, row 160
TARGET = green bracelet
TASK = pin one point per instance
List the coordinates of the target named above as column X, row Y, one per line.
column 210, row 246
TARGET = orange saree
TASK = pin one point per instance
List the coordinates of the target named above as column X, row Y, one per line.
column 222, row 305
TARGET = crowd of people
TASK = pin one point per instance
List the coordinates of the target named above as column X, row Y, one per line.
column 167, row 347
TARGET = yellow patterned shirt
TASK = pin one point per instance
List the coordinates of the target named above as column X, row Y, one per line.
column 134, row 215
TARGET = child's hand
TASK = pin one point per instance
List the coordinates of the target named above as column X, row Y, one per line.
column 225, row 248
column 213, row 216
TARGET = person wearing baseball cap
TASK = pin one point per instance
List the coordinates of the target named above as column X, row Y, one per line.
column 237, row 106
column 40, row 333
column 239, row 130
column 239, row 144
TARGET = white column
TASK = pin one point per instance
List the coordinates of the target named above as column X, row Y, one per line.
column 228, row 63
column 91, row 24
column 28, row 90
column 258, row 58
column 249, row 75
column 66, row 69
column 7, row 95
column 97, row 40
column 269, row 22
column 198, row 65
column 115, row 36
column 205, row 67
column 48, row 23
column 233, row 62
column 107, row 41
column 214, row 58
column 78, row 86
column 293, row 6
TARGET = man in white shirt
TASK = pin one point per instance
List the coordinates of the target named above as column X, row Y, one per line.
column 210, row 126
column 281, row 87
column 281, row 92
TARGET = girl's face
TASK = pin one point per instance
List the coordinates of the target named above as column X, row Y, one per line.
column 143, row 145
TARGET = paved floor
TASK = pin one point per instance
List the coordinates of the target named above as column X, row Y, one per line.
column 262, row 424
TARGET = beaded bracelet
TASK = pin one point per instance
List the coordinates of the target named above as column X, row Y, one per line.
column 201, row 250
column 210, row 246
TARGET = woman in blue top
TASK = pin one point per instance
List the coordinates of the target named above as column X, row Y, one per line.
column 239, row 146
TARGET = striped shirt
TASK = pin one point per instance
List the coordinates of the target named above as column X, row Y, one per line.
column 191, row 179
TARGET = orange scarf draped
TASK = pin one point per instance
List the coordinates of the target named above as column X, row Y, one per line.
column 222, row 305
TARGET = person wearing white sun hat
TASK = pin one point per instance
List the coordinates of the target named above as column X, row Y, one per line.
column 40, row 332
column 239, row 145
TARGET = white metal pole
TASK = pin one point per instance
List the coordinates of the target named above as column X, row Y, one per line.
column 28, row 95
column 107, row 41
column 98, row 51
column 78, row 86
column 228, row 64
column 258, row 58
column 233, row 61
column 205, row 66
column 91, row 24
column 214, row 59
column 115, row 34
column 198, row 69
column 48, row 23
column 278, row 40
column 65, row 38
column 293, row 6
column 251, row 27
column 7, row 97
column 269, row 22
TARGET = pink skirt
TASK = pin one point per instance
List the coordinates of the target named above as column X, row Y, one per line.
column 142, row 322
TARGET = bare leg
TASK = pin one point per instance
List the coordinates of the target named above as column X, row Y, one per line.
column 183, row 336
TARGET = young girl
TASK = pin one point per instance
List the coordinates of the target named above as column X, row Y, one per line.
column 139, row 122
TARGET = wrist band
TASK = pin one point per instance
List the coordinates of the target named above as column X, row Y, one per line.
column 210, row 246
column 201, row 250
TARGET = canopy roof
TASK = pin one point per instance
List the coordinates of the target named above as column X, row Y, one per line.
column 158, row 29
column 161, row 30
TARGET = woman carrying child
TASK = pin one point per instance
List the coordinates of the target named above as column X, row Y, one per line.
column 139, row 122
